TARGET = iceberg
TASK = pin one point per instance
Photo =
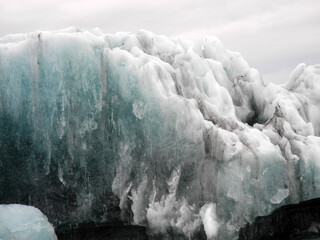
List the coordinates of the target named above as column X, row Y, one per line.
column 20, row 222
column 182, row 137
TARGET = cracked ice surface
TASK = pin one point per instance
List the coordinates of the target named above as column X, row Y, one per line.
column 185, row 133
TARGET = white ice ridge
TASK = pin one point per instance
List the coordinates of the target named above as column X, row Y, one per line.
column 20, row 222
column 196, row 136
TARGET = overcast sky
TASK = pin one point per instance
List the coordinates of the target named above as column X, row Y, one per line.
column 273, row 36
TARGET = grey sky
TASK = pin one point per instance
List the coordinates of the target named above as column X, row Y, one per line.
column 273, row 36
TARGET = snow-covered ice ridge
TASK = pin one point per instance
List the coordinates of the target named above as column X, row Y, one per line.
column 186, row 134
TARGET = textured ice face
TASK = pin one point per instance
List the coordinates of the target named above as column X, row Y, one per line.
column 20, row 222
column 185, row 134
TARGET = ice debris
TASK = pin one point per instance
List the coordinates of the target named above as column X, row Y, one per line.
column 20, row 222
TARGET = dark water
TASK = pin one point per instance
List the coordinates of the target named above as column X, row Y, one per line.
column 93, row 231
column 293, row 222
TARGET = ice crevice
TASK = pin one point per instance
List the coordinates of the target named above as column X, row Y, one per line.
column 183, row 137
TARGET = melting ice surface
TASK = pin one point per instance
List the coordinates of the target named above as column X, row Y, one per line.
column 20, row 222
column 176, row 135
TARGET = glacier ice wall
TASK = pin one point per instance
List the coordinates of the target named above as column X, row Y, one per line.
column 177, row 135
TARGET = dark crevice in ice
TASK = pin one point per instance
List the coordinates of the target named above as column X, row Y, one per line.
column 254, row 119
column 255, row 116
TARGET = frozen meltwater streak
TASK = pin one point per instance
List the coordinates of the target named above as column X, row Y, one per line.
column 183, row 137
